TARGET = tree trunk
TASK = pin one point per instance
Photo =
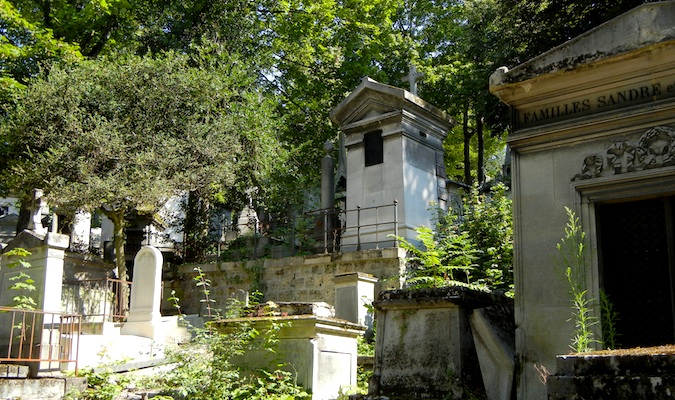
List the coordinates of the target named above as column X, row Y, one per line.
column 196, row 227
column 117, row 218
column 480, row 165
column 467, row 139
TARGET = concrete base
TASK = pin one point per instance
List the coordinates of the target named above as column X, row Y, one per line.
column 40, row 389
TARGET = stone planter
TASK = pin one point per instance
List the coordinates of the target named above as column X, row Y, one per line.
column 647, row 373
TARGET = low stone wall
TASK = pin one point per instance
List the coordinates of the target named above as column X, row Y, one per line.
column 305, row 279
column 645, row 373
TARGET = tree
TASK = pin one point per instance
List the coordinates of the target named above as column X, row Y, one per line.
column 24, row 46
column 128, row 132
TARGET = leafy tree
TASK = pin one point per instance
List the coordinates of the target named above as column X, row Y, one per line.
column 24, row 45
column 127, row 133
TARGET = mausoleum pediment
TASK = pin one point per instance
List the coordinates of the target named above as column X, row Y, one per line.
column 372, row 101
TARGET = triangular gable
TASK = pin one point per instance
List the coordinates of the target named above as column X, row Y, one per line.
column 372, row 100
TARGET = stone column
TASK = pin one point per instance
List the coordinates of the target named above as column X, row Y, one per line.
column 46, row 270
column 328, row 195
column 46, row 260
column 144, row 315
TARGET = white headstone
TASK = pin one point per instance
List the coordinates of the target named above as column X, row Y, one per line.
column 248, row 222
column 81, row 232
column 144, row 315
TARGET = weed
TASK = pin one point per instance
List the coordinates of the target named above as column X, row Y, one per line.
column 572, row 260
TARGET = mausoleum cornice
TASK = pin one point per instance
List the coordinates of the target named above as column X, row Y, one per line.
column 372, row 100
column 639, row 28
column 608, row 126
column 398, row 122
column 621, row 69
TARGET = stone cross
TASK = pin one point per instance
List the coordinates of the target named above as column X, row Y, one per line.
column 412, row 77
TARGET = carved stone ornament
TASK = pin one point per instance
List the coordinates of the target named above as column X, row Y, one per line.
column 654, row 149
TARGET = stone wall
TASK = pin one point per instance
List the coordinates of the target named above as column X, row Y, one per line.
column 305, row 279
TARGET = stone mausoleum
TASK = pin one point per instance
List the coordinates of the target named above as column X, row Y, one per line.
column 394, row 143
column 594, row 130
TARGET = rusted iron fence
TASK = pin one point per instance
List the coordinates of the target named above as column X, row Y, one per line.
column 44, row 339
column 97, row 300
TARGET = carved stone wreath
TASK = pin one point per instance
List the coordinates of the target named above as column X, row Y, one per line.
column 654, row 149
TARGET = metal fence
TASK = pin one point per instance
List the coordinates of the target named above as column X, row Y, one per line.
column 97, row 300
column 317, row 231
column 47, row 339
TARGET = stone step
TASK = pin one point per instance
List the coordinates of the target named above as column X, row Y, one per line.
column 13, row 371
column 40, row 389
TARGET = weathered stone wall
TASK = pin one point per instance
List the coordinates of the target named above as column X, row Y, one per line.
column 306, row 279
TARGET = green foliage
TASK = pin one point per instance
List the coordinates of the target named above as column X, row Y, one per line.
column 364, row 347
column 572, row 261
column 441, row 260
column 204, row 286
column 102, row 385
column 488, row 222
column 22, row 283
column 609, row 317
column 474, row 246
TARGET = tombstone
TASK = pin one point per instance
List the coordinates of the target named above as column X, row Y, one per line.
column 248, row 218
column 594, row 130
column 241, row 296
column 319, row 349
column 144, row 314
column 81, row 232
column 425, row 348
column 354, row 294
column 395, row 167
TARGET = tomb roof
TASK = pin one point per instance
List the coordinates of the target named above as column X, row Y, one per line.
column 372, row 98
column 647, row 25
